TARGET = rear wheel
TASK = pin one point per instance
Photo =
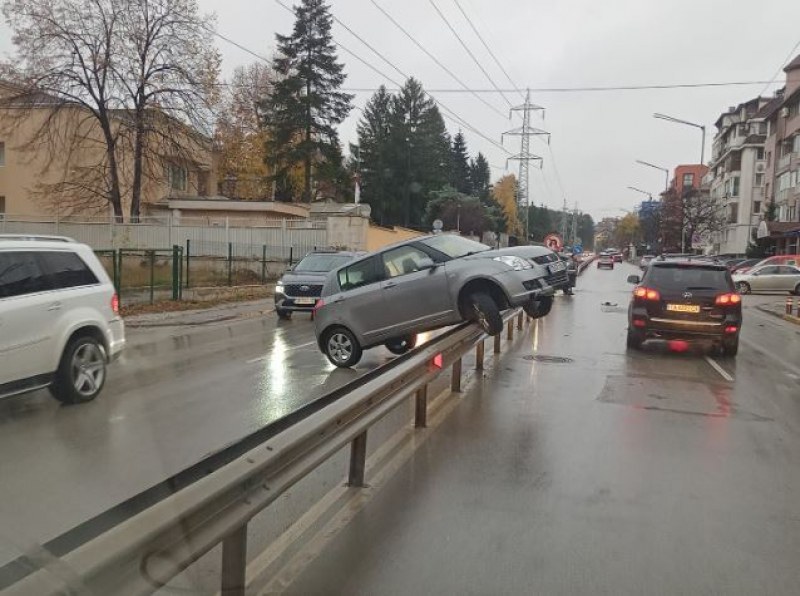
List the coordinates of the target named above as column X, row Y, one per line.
column 796, row 290
column 81, row 372
column 730, row 347
column 743, row 287
column 483, row 310
column 401, row 345
column 536, row 309
column 341, row 347
column 635, row 339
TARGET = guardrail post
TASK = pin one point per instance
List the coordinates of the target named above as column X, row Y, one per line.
column 421, row 409
column 510, row 329
column 234, row 563
column 358, row 460
column 479, row 352
column 519, row 320
column 497, row 343
column 455, row 383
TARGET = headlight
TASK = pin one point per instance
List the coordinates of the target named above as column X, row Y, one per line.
column 279, row 287
column 516, row 263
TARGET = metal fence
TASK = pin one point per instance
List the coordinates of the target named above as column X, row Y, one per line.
column 210, row 237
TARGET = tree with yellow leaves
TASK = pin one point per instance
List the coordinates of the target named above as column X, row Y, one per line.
column 504, row 193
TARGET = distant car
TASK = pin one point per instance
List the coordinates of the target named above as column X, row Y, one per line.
column 59, row 318
column 301, row 286
column 685, row 300
column 744, row 266
column 571, row 273
column 645, row 261
column 605, row 261
column 617, row 256
column 769, row 278
column 389, row 296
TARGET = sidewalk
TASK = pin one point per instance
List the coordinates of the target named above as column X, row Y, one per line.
column 202, row 316
column 778, row 309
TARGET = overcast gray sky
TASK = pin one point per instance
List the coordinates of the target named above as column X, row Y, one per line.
column 596, row 136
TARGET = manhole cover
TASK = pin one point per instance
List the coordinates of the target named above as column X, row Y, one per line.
column 550, row 359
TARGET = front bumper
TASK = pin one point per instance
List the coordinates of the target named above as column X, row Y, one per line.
column 523, row 286
column 290, row 303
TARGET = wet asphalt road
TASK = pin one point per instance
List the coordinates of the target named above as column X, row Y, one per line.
column 650, row 472
column 165, row 406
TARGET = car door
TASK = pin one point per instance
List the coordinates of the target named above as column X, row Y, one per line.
column 415, row 298
column 786, row 278
column 359, row 303
column 764, row 279
column 26, row 316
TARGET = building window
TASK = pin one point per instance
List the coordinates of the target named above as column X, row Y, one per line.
column 688, row 180
column 733, row 217
column 759, row 180
column 2, row 153
column 793, row 109
column 795, row 144
column 732, row 187
column 177, row 177
column 784, row 181
column 756, row 207
column 760, row 153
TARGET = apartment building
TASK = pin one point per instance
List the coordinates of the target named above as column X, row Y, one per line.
column 737, row 175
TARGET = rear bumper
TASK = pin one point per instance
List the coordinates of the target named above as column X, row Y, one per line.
column 657, row 327
column 116, row 338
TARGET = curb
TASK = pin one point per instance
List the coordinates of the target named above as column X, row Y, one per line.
column 790, row 318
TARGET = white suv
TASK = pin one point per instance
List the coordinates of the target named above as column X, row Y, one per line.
column 59, row 318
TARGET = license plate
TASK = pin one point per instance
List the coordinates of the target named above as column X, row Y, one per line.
column 305, row 300
column 693, row 308
column 556, row 267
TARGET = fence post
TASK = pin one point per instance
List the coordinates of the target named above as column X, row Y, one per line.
column 180, row 273
column 230, row 264
column 283, row 235
column 152, row 275
column 291, row 255
column 119, row 273
column 188, row 246
column 263, row 264
column 176, row 280
column 234, row 563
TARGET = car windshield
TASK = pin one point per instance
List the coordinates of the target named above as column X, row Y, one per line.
column 679, row 278
column 455, row 246
column 321, row 263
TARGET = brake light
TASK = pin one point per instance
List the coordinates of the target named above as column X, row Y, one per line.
column 639, row 323
column 115, row 303
column 646, row 293
column 731, row 329
column 727, row 299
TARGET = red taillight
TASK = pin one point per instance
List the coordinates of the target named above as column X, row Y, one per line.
column 731, row 329
column 727, row 299
column 646, row 293
column 639, row 323
column 115, row 304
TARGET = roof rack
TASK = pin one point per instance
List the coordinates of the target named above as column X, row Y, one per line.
column 36, row 237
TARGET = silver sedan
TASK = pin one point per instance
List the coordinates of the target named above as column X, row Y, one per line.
column 769, row 278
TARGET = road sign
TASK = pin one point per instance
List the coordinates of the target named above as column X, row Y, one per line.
column 438, row 224
column 577, row 249
column 554, row 242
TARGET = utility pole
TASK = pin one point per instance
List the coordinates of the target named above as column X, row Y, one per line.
column 564, row 220
column 574, row 234
column 524, row 157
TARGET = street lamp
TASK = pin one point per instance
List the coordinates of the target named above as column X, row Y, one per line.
column 665, row 170
column 687, row 123
column 644, row 192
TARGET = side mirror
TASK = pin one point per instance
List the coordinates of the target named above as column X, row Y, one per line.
column 634, row 279
column 425, row 264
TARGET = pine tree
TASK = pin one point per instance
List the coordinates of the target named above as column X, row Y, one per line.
column 459, row 163
column 480, row 176
column 378, row 179
column 305, row 106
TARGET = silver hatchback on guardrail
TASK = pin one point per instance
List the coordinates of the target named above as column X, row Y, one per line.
column 388, row 297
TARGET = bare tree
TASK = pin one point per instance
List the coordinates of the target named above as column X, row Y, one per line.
column 66, row 51
column 684, row 216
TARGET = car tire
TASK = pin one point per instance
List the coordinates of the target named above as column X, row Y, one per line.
column 81, row 372
column 743, row 287
column 730, row 347
column 536, row 309
column 796, row 290
column 283, row 314
column 341, row 347
column 401, row 345
column 483, row 310
column 634, row 340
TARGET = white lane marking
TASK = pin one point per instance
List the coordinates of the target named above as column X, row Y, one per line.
column 771, row 354
column 723, row 373
column 291, row 349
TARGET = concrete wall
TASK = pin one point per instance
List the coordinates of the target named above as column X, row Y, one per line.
column 348, row 232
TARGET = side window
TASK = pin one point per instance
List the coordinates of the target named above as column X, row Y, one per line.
column 784, row 270
column 403, row 260
column 771, row 270
column 20, row 275
column 357, row 275
column 67, row 270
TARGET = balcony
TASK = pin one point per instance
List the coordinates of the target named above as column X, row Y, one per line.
column 787, row 162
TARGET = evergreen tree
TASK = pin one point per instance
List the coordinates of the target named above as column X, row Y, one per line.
column 480, row 176
column 378, row 178
column 305, row 104
column 460, row 167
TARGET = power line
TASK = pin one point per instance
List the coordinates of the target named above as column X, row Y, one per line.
column 780, row 68
column 587, row 89
column 435, row 59
column 488, row 49
column 466, row 48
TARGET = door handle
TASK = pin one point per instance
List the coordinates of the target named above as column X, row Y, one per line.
column 389, row 285
column 54, row 306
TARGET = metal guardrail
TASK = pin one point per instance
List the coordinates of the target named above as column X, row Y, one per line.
column 143, row 553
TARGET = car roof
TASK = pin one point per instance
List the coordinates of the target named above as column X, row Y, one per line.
column 26, row 238
column 346, row 253
column 697, row 264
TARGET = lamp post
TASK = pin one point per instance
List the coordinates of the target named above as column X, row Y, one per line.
column 687, row 123
column 644, row 192
column 665, row 170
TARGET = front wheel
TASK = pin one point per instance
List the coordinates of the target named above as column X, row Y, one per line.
column 341, row 347
column 743, row 287
column 283, row 314
column 483, row 310
column 536, row 309
column 81, row 372
column 401, row 345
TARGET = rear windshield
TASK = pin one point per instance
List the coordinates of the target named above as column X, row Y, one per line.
column 686, row 278
column 321, row 263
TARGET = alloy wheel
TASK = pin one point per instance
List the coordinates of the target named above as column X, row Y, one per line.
column 340, row 347
column 88, row 369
